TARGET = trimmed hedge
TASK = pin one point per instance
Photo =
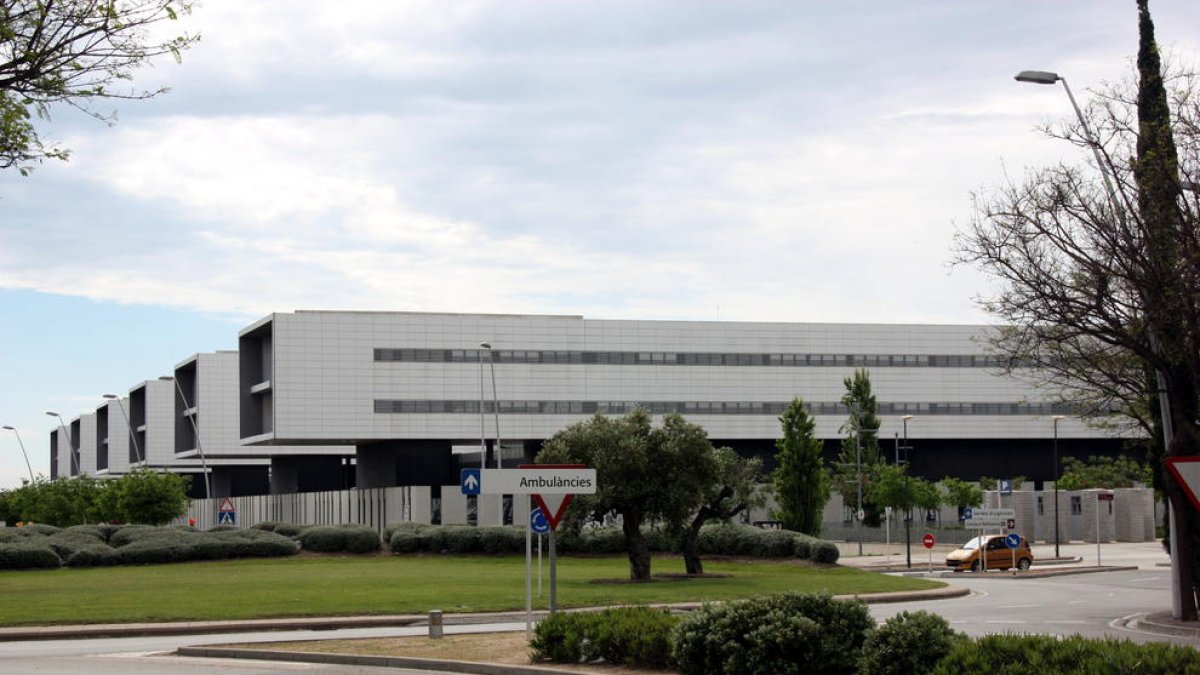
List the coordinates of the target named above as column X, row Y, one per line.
column 27, row 555
column 631, row 636
column 84, row 546
column 347, row 538
column 784, row 633
column 732, row 540
column 1048, row 655
column 908, row 643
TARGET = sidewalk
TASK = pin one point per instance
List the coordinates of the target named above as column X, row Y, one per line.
column 1073, row 558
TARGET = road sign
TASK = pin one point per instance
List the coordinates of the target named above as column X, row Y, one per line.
column 988, row 517
column 1005, row 487
column 553, row 507
column 1105, row 496
column 1013, row 540
column 528, row 480
column 470, row 481
column 1186, row 471
column 227, row 512
column 861, row 514
column 928, row 540
column 1010, row 524
column 537, row 522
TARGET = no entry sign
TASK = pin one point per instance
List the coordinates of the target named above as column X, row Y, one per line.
column 928, row 540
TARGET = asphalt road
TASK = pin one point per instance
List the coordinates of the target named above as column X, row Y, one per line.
column 1092, row 605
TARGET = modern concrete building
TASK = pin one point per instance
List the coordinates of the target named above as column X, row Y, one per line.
column 404, row 389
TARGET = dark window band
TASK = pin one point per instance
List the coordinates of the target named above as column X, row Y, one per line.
column 774, row 408
column 692, row 358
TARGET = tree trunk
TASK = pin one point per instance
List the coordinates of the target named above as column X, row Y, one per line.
column 691, row 557
column 639, row 552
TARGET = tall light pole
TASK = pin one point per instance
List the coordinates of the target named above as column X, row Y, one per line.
column 196, row 429
column 1056, row 418
column 495, row 412
column 22, row 444
column 1164, row 403
column 70, row 444
column 132, row 438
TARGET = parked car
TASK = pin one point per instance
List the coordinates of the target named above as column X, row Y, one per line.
column 999, row 555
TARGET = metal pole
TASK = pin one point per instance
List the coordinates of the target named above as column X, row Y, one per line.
column 75, row 463
column 25, row 454
column 858, row 473
column 132, row 438
column 203, row 462
column 553, row 575
column 482, row 431
column 1055, row 473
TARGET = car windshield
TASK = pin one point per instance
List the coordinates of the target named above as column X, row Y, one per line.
column 971, row 545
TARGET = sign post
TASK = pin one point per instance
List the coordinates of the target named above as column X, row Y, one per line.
column 928, row 541
column 1101, row 497
column 1012, row 540
column 551, row 486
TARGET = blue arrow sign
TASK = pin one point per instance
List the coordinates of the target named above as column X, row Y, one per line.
column 968, row 513
column 1013, row 540
column 471, row 481
column 537, row 522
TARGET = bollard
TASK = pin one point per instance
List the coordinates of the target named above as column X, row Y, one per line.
column 435, row 624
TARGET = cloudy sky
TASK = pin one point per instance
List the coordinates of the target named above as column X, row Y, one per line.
column 791, row 161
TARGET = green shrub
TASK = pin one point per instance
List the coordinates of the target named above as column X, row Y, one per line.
column 221, row 528
column 27, row 555
column 96, row 555
column 405, row 526
column 496, row 539
column 155, row 551
column 460, row 538
column 128, row 534
column 291, row 529
column 802, row 546
column 633, row 636
column 266, row 525
column 10, row 535
column 825, row 552
column 348, row 538
column 405, row 540
column 907, row 643
column 41, row 528
column 559, row 638
column 68, row 541
column 785, row 633
column 1021, row 654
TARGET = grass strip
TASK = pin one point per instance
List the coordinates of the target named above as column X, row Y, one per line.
column 385, row 584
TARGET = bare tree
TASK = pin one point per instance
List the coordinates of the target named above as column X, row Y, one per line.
column 1099, row 288
column 73, row 52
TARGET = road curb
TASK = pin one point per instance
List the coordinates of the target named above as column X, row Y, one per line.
column 441, row 665
column 1163, row 622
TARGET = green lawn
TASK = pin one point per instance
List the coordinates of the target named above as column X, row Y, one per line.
column 327, row 586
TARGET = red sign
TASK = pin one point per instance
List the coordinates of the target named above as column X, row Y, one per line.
column 1105, row 496
column 553, row 505
column 928, row 540
column 1186, row 471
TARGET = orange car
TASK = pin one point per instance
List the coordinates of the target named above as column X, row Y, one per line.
column 999, row 555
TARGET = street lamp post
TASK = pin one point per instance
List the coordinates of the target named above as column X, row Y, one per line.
column 1164, row 405
column 132, row 438
column 203, row 462
column 22, row 444
column 75, row 468
column 495, row 413
column 1056, row 418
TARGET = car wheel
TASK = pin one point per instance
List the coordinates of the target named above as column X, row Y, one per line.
column 1023, row 564
column 974, row 565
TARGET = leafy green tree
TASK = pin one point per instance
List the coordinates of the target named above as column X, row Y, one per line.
column 1102, row 472
column 643, row 473
column 151, row 497
column 961, row 494
column 861, row 428
column 893, row 487
column 733, row 491
column 801, row 481
column 74, row 53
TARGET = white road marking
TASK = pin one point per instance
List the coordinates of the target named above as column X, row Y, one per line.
column 1017, row 606
column 1008, row 622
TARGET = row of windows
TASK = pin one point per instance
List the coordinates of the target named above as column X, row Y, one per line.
column 690, row 358
column 774, row 408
